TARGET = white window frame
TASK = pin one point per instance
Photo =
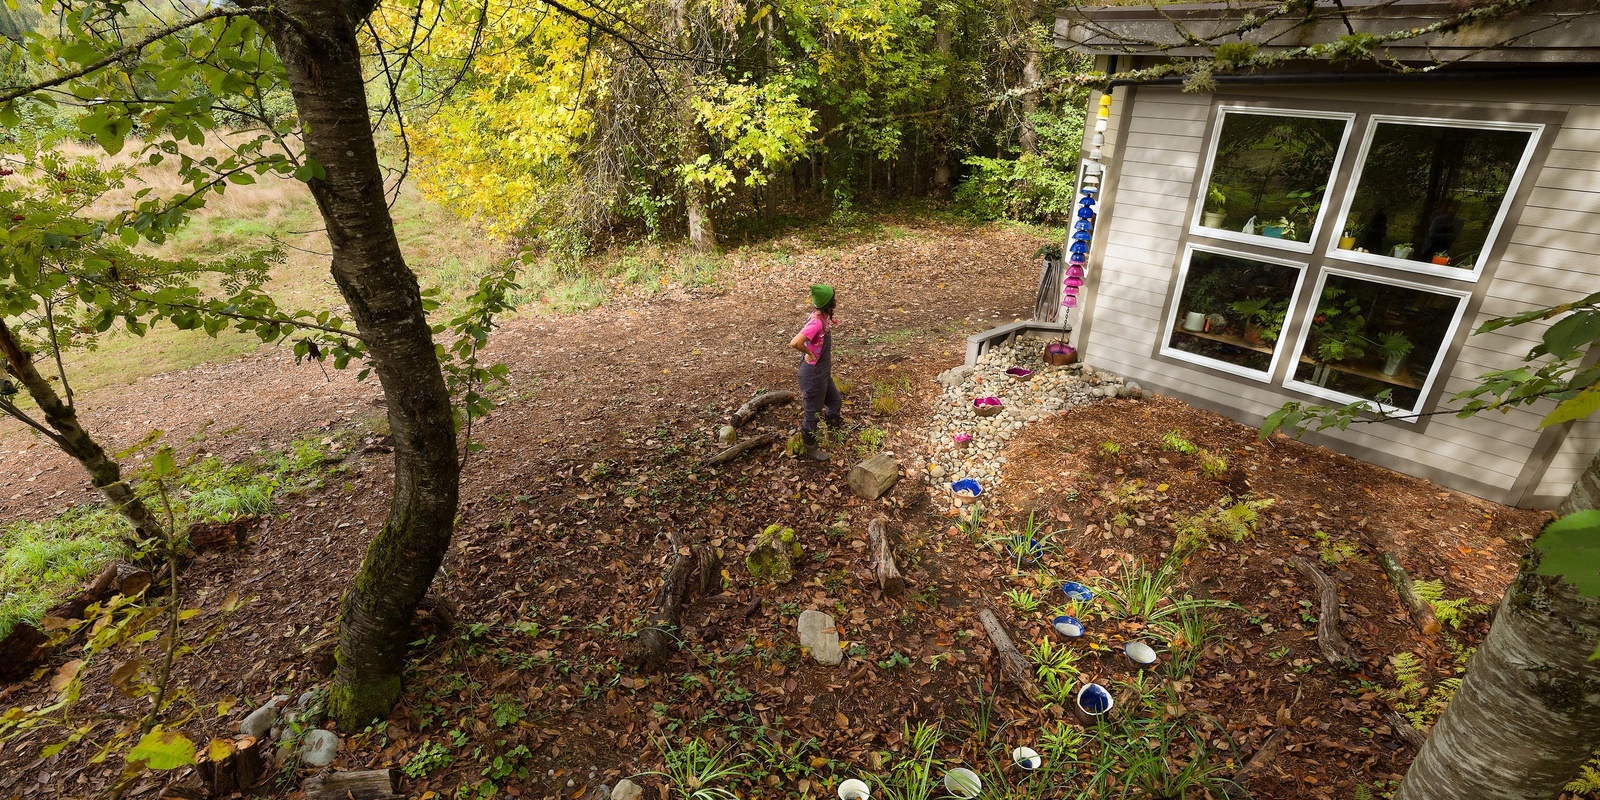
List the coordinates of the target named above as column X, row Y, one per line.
column 1423, row 392
column 1535, row 131
column 1259, row 240
column 1177, row 295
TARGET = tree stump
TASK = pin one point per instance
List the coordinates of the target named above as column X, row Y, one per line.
column 883, row 559
column 699, row 569
column 871, row 478
column 239, row 769
column 757, row 404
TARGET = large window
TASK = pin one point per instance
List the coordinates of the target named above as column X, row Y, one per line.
column 1421, row 205
column 1432, row 194
column 1374, row 340
column 1269, row 175
column 1230, row 312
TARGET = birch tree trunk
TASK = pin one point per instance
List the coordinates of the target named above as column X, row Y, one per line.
column 69, row 435
column 696, row 202
column 317, row 42
column 1527, row 715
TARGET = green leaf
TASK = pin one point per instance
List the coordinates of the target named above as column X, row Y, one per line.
column 1587, row 402
column 163, row 750
column 1571, row 548
column 1564, row 337
column 162, row 463
column 309, row 171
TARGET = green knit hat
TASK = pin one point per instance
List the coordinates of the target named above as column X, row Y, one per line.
column 821, row 295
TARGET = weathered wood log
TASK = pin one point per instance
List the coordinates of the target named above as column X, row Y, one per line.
column 871, row 478
column 238, row 767
column 1264, row 755
column 740, row 449
column 758, row 404
column 1421, row 610
column 372, row 784
column 1334, row 648
column 207, row 536
column 1013, row 664
column 883, row 559
column 20, row 651
column 699, row 569
column 1404, row 729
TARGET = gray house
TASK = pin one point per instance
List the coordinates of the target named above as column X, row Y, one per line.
column 1328, row 233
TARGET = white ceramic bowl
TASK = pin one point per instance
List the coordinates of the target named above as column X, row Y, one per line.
column 1140, row 652
column 853, row 789
column 963, row 783
column 1027, row 758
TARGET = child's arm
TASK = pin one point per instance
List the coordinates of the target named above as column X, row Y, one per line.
column 799, row 343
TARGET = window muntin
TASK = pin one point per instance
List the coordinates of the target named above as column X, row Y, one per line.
column 1268, row 176
column 1430, row 196
column 1374, row 339
column 1230, row 312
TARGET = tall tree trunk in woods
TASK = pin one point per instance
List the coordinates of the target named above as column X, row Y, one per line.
column 67, row 434
column 317, row 42
column 1527, row 715
column 696, row 200
column 941, row 133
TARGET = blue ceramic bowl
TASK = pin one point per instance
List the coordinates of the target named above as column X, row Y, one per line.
column 1094, row 700
column 1077, row 591
column 1067, row 626
column 967, row 485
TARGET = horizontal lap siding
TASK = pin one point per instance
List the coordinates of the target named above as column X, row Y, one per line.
column 1550, row 257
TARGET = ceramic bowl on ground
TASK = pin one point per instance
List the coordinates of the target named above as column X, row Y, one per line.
column 1068, row 626
column 987, row 406
column 1027, row 758
column 1094, row 700
column 1020, row 373
column 962, row 440
column 963, row 783
column 1028, row 553
column 1077, row 591
column 1060, row 355
column 853, row 789
column 966, row 490
column 1141, row 653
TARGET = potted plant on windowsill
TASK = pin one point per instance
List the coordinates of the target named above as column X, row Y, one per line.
column 1253, row 313
column 1347, row 242
column 1441, row 258
column 1404, row 250
column 1206, row 298
column 1394, row 346
column 1282, row 229
column 1215, row 208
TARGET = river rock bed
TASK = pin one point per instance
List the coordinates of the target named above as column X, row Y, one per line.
column 1051, row 391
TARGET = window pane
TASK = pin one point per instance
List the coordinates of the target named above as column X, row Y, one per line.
column 1431, row 193
column 1270, row 173
column 1368, row 338
column 1231, row 309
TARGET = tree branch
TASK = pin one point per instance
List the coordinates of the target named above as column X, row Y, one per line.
column 122, row 53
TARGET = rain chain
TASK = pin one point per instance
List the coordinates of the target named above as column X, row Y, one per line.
column 1083, row 229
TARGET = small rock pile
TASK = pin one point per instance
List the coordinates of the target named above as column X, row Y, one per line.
column 1052, row 390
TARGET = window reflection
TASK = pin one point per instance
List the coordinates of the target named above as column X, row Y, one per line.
column 1431, row 193
column 1270, row 173
column 1232, row 309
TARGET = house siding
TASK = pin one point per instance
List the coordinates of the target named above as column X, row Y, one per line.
column 1546, row 256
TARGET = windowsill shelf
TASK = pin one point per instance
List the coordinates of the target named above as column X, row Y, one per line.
column 1402, row 378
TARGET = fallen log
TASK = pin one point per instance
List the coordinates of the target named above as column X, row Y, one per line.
column 1013, row 664
column 1264, row 755
column 699, row 569
column 20, row 651
column 372, row 784
column 1404, row 729
column 206, row 536
column 1421, row 610
column 740, row 448
column 1334, row 648
column 757, row 404
column 883, row 559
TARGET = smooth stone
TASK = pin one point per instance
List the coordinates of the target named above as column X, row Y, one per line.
column 819, row 636
column 260, row 721
column 627, row 790
column 319, row 748
column 935, row 471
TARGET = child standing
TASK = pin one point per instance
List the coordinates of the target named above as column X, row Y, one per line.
column 816, row 371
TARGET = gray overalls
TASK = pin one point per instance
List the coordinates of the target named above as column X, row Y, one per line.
column 818, row 391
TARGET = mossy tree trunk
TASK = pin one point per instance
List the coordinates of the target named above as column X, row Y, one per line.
column 1527, row 715
column 317, row 42
column 61, row 419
